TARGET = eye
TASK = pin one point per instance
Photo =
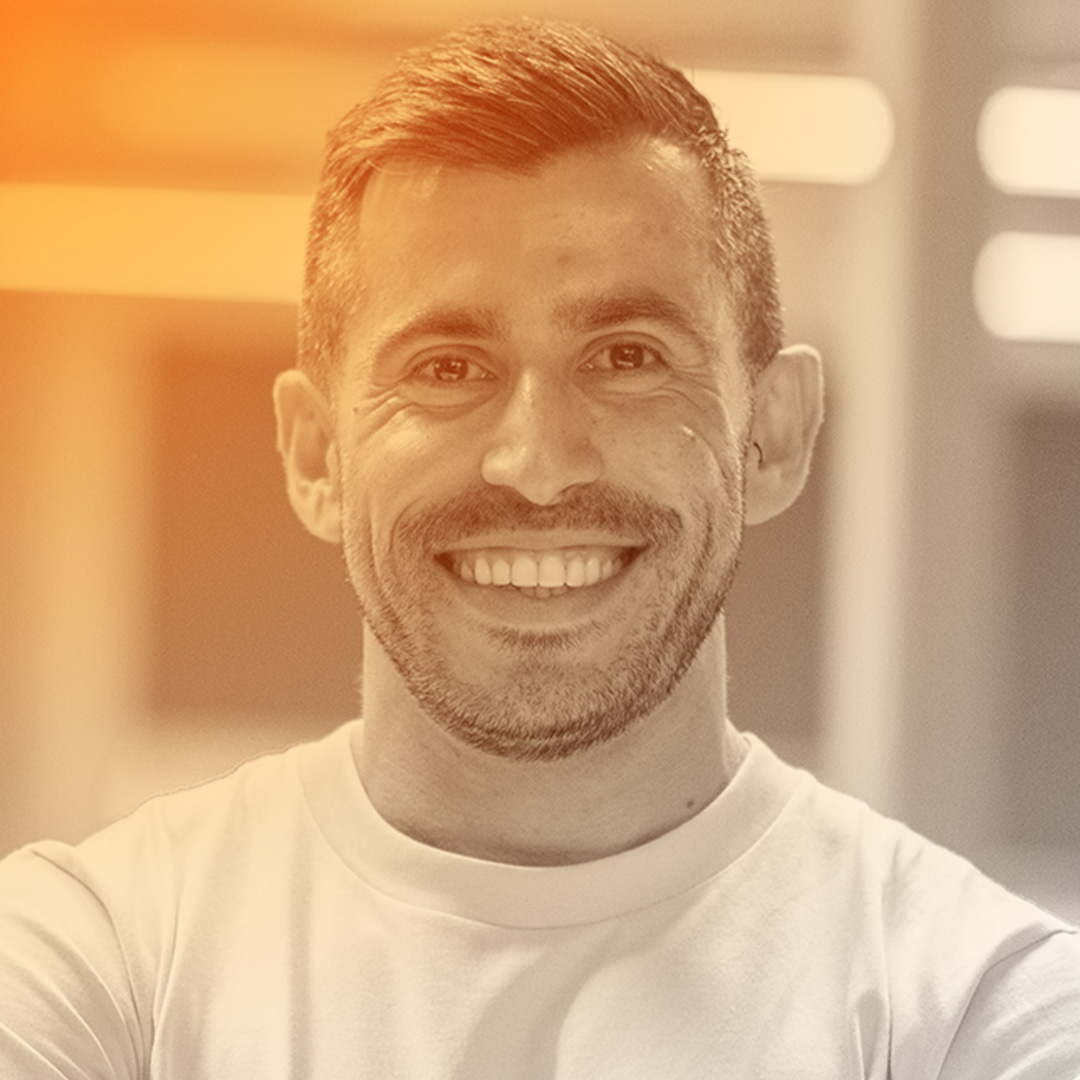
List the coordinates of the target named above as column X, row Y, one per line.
column 450, row 368
column 630, row 356
column 626, row 367
column 446, row 377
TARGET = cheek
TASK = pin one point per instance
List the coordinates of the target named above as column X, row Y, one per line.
column 693, row 430
column 395, row 468
column 680, row 459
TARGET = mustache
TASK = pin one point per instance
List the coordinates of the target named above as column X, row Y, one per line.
column 596, row 507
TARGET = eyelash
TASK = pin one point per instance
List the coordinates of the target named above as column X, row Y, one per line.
column 423, row 370
column 651, row 360
column 640, row 377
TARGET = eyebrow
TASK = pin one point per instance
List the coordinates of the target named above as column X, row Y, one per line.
column 439, row 322
column 581, row 315
column 591, row 313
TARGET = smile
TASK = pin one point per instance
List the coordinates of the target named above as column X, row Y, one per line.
column 539, row 573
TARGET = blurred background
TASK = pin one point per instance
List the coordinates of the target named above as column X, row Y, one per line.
column 911, row 629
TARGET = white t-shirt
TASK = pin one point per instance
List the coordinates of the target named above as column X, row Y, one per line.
column 271, row 925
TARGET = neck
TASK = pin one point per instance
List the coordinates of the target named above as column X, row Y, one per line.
column 612, row 797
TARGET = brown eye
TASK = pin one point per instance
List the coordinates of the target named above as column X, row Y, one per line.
column 625, row 356
column 450, row 378
column 628, row 357
column 450, row 368
column 625, row 367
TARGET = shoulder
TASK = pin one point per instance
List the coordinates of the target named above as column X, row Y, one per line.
column 88, row 931
column 918, row 886
column 147, row 858
column 146, row 851
column 256, row 805
column 980, row 982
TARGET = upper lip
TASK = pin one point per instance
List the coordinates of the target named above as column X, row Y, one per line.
column 542, row 541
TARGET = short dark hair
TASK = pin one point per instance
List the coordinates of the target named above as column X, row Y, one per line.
column 510, row 95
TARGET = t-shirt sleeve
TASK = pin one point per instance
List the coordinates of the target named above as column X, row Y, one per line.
column 1023, row 1021
column 67, row 1006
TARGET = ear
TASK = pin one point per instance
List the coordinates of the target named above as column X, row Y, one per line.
column 305, row 440
column 787, row 414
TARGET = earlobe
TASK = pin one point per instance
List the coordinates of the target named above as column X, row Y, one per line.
column 787, row 415
column 305, row 440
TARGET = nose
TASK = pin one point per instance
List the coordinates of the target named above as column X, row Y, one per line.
column 542, row 446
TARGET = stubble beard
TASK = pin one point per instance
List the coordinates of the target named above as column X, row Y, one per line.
column 554, row 705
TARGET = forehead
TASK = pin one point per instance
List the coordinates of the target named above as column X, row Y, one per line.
column 603, row 221
column 645, row 185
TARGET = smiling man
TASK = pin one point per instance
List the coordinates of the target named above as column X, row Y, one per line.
column 541, row 391
column 533, row 447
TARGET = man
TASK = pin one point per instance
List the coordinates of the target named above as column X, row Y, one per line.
column 541, row 390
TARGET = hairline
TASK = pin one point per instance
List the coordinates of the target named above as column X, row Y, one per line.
column 490, row 97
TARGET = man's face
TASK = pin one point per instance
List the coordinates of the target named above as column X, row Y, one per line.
column 541, row 422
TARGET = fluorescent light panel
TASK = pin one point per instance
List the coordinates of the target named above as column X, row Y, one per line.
column 202, row 245
column 1029, row 141
column 235, row 246
column 823, row 129
column 1027, row 287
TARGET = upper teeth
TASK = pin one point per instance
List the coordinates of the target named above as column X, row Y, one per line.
column 546, row 569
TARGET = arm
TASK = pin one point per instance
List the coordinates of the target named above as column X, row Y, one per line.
column 67, row 1005
column 1023, row 1022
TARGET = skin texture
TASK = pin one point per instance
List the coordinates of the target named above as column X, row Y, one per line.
column 543, row 363
column 515, row 430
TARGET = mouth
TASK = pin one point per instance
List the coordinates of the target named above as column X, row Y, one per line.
column 540, row 573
